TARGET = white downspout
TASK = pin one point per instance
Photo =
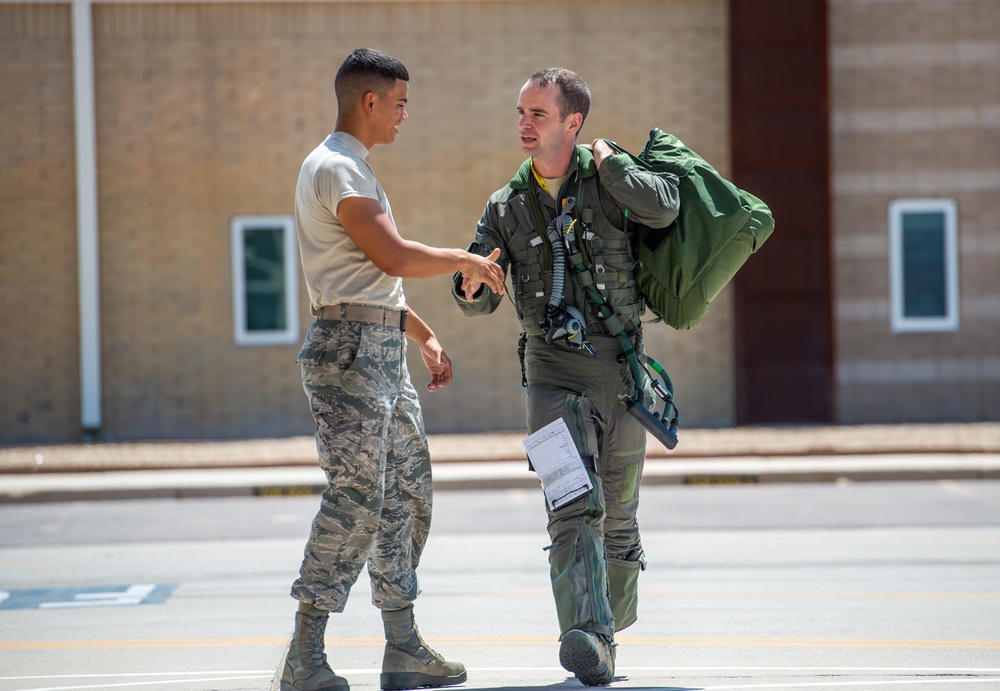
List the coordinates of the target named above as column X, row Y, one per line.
column 86, row 219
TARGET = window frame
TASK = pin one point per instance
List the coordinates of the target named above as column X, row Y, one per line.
column 900, row 323
column 241, row 334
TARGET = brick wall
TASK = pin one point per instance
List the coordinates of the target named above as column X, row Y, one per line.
column 916, row 115
column 39, row 327
column 205, row 112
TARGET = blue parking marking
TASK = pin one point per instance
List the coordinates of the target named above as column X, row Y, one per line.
column 85, row 597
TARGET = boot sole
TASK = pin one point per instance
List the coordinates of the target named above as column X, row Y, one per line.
column 396, row 681
column 578, row 655
column 288, row 686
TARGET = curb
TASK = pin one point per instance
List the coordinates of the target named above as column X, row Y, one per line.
column 296, row 481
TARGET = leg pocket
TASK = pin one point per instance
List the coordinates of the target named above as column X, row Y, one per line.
column 630, row 483
column 623, row 584
column 547, row 403
column 351, row 437
column 569, row 584
column 330, row 349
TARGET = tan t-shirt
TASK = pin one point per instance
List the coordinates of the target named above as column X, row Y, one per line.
column 335, row 268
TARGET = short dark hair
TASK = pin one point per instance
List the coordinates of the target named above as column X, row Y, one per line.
column 367, row 70
column 574, row 95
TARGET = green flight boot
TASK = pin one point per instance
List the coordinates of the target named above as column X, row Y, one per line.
column 409, row 663
column 588, row 656
column 306, row 668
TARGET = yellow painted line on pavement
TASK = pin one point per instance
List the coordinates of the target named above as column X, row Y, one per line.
column 939, row 644
column 821, row 595
column 816, row 643
column 145, row 643
column 762, row 594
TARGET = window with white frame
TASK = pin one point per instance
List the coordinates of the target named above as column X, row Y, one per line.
column 923, row 265
column 265, row 291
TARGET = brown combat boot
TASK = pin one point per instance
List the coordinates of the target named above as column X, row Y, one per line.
column 306, row 668
column 588, row 656
column 409, row 663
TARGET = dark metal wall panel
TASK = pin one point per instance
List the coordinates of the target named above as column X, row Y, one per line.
column 780, row 134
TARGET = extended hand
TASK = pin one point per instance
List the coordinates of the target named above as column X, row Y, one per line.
column 487, row 271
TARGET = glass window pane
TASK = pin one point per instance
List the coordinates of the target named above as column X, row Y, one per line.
column 264, row 264
column 924, row 277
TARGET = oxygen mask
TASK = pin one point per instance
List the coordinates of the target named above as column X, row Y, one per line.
column 565, row 323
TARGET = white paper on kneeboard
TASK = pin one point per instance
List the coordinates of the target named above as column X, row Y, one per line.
column 558, row 464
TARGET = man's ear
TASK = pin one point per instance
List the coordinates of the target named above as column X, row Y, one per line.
column 574, row 122
column 368, row 102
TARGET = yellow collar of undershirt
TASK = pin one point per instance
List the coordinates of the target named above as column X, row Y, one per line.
column 543, row 183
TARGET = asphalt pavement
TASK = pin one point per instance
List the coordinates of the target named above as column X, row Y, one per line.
column 287, row 466
column 789, row 599
column 818, row 587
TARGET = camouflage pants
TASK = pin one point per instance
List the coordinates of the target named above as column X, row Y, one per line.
column 596, row 554
column 376, row 509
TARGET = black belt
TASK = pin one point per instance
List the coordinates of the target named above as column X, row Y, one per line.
column 366, row 314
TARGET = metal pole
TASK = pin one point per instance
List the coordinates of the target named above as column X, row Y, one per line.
column 87, row 229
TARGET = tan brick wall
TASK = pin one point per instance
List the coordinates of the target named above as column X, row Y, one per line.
column 205, row 112
column 916, row 115
column 678, row 84
column 39, row 328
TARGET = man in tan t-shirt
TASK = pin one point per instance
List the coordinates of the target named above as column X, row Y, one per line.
column 369, row 428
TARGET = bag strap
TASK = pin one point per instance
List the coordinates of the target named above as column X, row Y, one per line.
column 664, row 428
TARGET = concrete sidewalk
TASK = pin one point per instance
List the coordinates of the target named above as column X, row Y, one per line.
column 704, row 456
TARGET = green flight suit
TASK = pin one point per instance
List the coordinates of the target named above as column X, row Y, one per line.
column 596, row 553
